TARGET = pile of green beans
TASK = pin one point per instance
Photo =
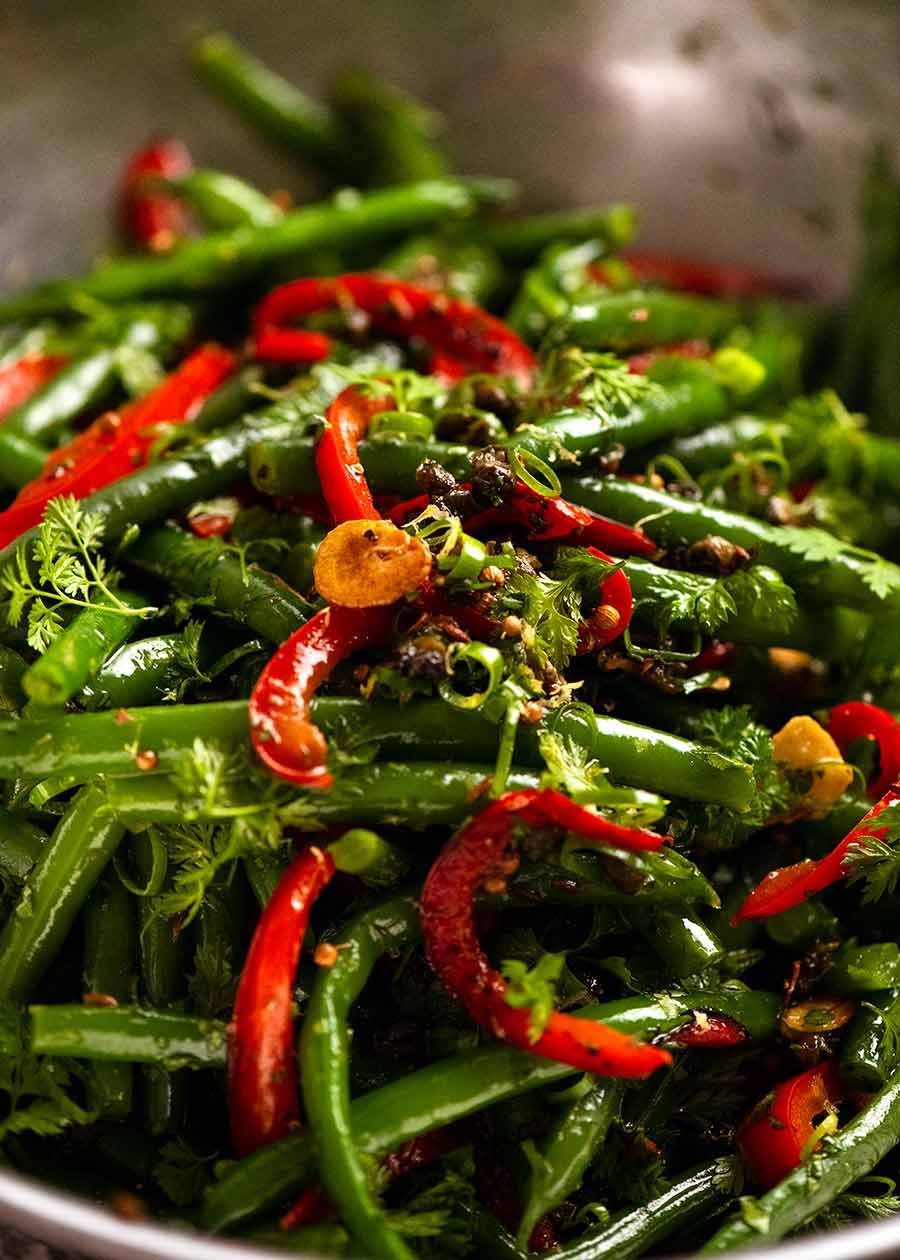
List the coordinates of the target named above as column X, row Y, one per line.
column 143, row 840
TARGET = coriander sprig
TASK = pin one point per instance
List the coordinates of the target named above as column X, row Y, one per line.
column 71, row 572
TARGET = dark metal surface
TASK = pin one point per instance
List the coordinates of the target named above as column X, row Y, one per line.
column 737, row 126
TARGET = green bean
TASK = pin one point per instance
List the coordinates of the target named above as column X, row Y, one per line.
column 21, row 844
column 21, row 460
column 138, row 673
column 690, row 398
column 161, row 969
column 263, row 873
column 848, row 575
column 870, row 1048
column 104, row 743
column 277, row 109
column 452, row 1089
column 284, row 463
column 230, row 401
column 91, row 381
column 467, row 269
column 224, row 259
column 306, row 1240
column 846, row 1156
column 642, row 318
column 556, row 1169
column 211, row 571
column 614, row 877
column 224, row 201
column 128, row 1034
column 715, row 447
column 12, row 670
column 75, row 856
column 692, row 1198
column 325, row 1068
column 685, row 945
column 108, row 963
column 521, row 240
column 77, row 653
column 865, row 968
column 395, row 138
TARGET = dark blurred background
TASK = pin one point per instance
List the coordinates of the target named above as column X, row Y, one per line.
column 737, row 126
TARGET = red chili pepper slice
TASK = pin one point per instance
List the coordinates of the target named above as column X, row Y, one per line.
column 341, row 475
column 262, row 1073
column 118, row 442
column 287, row 742
column 149, row 217
column 615, row 594
column 312, row 1208
column 773, row 1140
column 462, row 335
column 789, row 885
column 857, row 720
column 712, row 1031
column 23, row 377
column 483, row 850
column 640, row 364
column 714, row 656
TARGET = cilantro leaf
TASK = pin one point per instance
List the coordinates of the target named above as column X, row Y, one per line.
column 533, row 987
column 874, row 862
column 36, row 1091
column 71, row 573
column 181, row 1173
column 550, row 603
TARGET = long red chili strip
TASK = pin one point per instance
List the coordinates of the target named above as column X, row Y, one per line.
column 464, row 337
column 787, row 886
column 341, row 475
column 615, row 600
column 708, row 1031
column 312, row 1208
column 284, row 738
column 483, row 851
column 858, row 720
column 118, row 442
column 23, row 377
column 775, row 1137
column 149, row 217
column 262, row 1074
column 547, row 518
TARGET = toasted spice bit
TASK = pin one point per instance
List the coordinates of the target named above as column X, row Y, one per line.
column 492, row 573
column 123, row 717
column 128, row 1206
column 511, row 626
column 364, row 564
column 146, row 759
column 604, row 617
column 496, row 886
column 325, row 955
column 531, row 711
column 98, row 999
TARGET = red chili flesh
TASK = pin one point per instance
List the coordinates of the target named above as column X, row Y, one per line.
column 788, row 886
column 711, row 1031
column 773, row 1138
column 23, row 377
column 150, row 217
column 262, row 1074
column 857, row 720
column 119, row 442
column 286, row 741
column 481, row 851
column 464, row 338
column 341, row 475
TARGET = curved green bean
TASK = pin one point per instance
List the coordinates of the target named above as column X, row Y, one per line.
column 71, row 863
column 325, row 1070
column 109, row 942
column 846, row 1156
